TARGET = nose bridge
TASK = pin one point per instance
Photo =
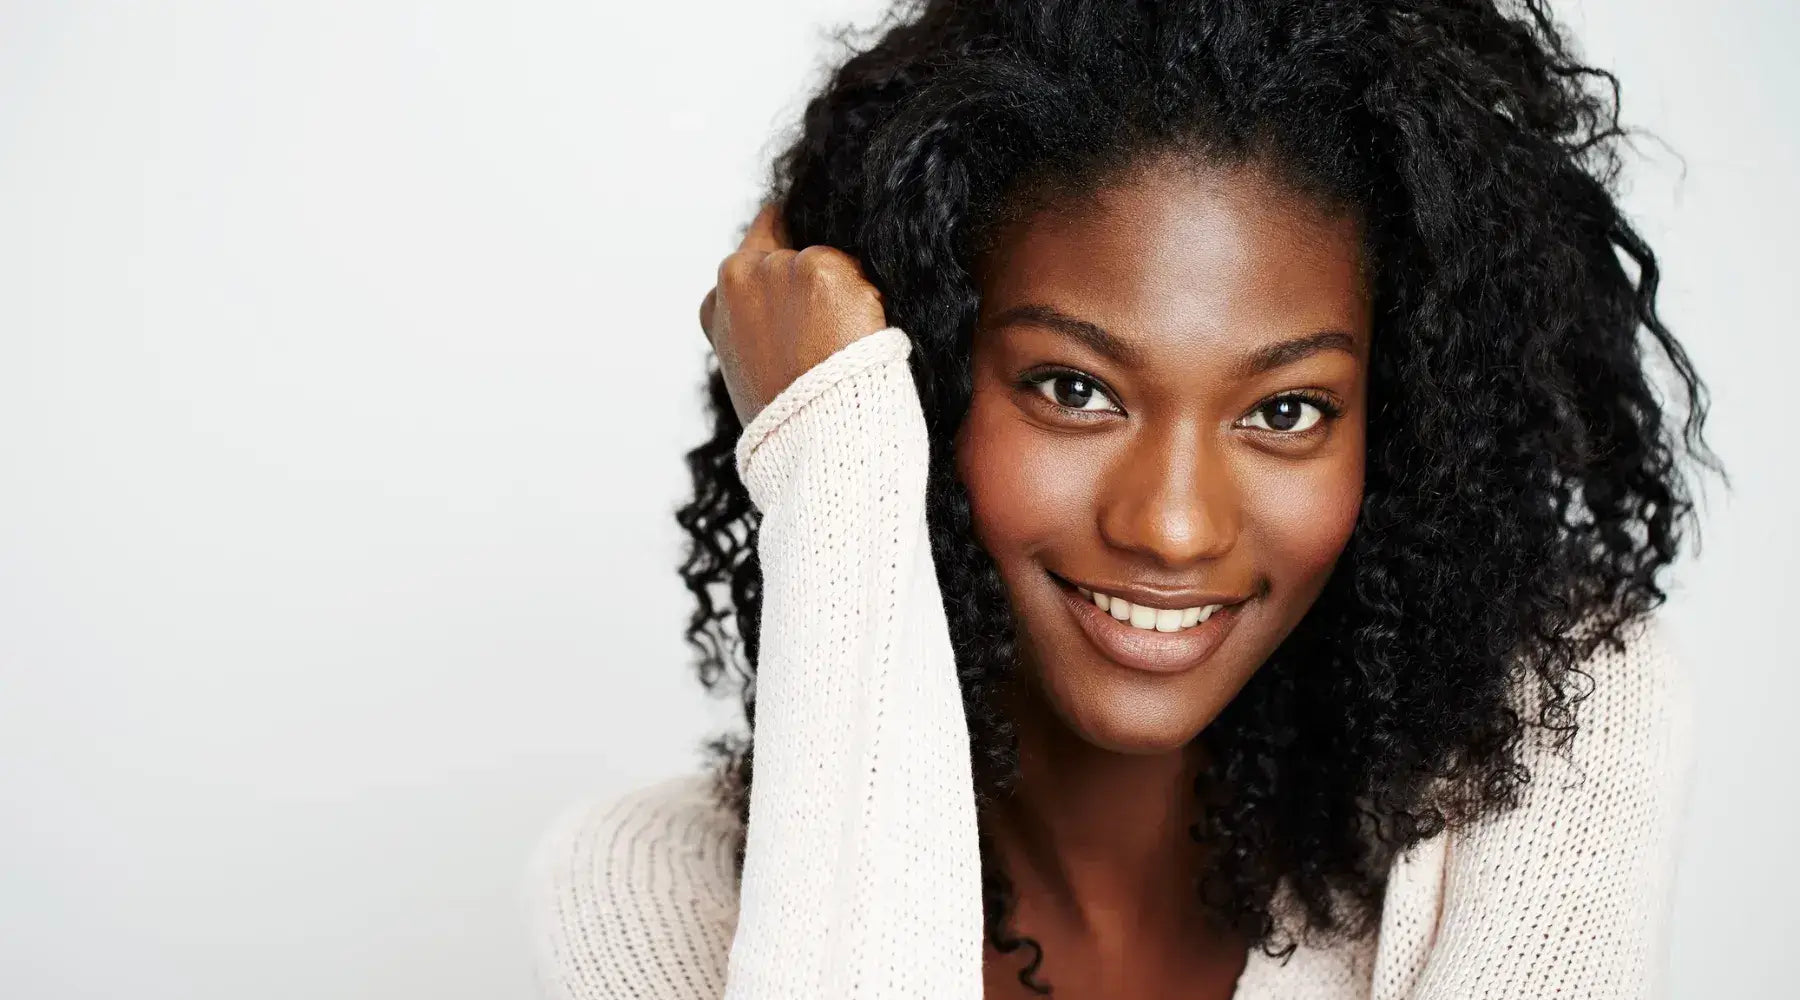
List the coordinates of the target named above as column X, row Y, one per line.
column 1172, row 497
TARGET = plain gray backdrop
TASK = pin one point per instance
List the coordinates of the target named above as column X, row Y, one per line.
column 347, row 357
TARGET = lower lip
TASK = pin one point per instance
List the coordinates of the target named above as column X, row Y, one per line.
column 1147, row 649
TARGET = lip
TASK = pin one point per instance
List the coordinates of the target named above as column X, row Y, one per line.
column 1146, row 649
column 1154, row 598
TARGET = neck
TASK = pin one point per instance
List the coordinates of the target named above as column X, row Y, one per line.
column 1095, row 837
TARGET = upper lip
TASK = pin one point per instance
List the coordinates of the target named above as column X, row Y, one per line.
column 1158, row 597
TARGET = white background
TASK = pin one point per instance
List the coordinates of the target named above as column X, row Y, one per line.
column 347, row 356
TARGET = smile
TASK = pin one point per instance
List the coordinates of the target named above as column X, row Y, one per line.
column 1158, row 640
column 1146, row 617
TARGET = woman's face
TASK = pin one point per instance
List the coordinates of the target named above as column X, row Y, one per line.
column 1169, row 408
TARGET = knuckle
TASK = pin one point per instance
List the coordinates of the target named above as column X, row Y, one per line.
column 821, row 261
column 735, row 268
column 777, row 261
column 830, row 270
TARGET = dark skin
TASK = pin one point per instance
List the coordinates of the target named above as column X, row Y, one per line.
column 1217, row 449
column 1181, row 466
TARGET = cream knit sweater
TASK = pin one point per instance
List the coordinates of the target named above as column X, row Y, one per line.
column 861, row 871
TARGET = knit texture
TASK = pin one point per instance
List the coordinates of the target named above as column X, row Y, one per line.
column 862, row 874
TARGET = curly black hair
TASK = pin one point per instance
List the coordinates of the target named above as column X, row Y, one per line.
column 1525, row 483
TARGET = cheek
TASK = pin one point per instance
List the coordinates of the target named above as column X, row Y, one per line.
column 1304, row 514
column 1023, row 493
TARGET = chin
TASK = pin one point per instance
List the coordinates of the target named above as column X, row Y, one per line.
column 1130, row 712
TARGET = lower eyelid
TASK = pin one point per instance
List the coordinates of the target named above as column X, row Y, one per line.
column 1035, row 385
column 1328, row 412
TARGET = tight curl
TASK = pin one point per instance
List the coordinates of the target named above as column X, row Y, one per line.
column 1524, row 486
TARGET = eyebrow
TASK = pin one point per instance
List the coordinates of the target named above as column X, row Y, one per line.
column 1096, row 337
column 1273, row 356
column 1266, row 358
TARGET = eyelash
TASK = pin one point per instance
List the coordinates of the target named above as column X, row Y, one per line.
column 1034, row 381
column 1328, row 409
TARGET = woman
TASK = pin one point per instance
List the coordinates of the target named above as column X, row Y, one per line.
column 1185, row 522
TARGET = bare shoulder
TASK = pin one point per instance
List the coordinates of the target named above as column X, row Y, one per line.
column 636, row 897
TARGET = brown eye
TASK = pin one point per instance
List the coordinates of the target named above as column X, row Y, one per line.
column 1286, row 415
column 1074, row 391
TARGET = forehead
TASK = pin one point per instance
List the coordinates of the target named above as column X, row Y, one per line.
column 1180, row 255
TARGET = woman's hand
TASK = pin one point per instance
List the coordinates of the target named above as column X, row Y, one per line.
column 776, row 312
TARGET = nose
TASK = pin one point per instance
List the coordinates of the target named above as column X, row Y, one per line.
column 1171, row 499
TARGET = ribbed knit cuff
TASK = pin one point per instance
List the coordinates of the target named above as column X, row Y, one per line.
column 760, row 467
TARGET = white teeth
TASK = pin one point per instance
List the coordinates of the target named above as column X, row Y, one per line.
column 1148, row 618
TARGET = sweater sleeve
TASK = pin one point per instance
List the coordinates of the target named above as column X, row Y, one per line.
column 1568, row 895
column 635, row 898
column 861, row 871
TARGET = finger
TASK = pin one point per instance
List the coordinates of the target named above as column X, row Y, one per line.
column 766, row 231
column 706, row 313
